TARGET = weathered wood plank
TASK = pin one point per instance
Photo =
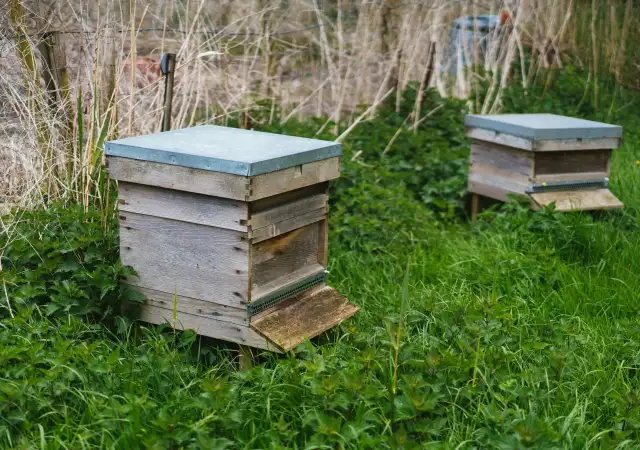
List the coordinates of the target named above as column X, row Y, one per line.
column 475, row 206
column 302, row 317
column 495, row 183
column 218, row 239
column 276, row 229
column 181, row 178
column 323, row 242
column 576, row 144
column 510, row 159
column 275, row 183
column 499, row 138
column 194, row 306
column 542, row 145
column 562, row 162
column 267, row 203
column 193, row 279
column 277, row 257
column 184, row 206
column 204, row 326
column 288, row 211
column 578, row 200
column 191, row 260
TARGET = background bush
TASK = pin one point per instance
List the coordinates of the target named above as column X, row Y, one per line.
column 517, row 331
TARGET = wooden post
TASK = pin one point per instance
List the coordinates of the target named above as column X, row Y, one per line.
column 167, row 67
column 54, row 71
column 245, row 361
column 46, row 50
column 31, row 79
column 56, row 81
column 54, row 65
column 107, row 88
column 59, row 70
column 475, row 205
column 246, row 121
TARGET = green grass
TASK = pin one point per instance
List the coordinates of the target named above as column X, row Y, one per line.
column 518, row 331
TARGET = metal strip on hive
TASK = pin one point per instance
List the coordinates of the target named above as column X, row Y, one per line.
column 569, row 185
column 286, row 292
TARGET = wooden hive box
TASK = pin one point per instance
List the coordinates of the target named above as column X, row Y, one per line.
column 231, row 226
column 546, row 157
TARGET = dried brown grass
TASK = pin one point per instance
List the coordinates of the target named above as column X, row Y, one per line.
column 309, row 58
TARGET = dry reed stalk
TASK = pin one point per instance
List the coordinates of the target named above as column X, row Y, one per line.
column 319, row 66
column 361, row 117
column 132, row 23
column 620, row 53
column 424, row 84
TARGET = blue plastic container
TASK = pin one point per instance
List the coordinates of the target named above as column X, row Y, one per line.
column 461, row 51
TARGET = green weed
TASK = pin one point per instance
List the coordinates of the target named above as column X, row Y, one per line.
column 517, row 331
column 63, row 259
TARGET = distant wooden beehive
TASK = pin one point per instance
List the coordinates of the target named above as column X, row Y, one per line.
column 231, row 225
column 546, row 157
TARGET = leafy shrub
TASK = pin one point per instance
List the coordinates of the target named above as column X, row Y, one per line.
column 519, row 331
column 430, row 164
column 66, row 260
column 373, row 212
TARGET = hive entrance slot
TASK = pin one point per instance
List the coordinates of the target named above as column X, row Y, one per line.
column 285, row 293
column 569, row 185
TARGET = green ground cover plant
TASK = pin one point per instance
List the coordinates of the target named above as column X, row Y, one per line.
column 518, row 331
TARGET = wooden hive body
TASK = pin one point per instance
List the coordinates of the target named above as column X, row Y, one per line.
column 237, row 247
column 546, row 157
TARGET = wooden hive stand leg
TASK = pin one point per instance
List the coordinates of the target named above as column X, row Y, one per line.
column 245, row 358
column 475, row 206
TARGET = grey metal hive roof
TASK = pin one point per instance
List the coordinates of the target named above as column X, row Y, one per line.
column 223, row 149
column 544, row 126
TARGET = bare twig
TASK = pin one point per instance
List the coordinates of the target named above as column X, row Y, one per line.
column 362, row 116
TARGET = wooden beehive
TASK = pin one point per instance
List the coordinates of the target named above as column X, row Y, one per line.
column 230, row 227
column 546, row 157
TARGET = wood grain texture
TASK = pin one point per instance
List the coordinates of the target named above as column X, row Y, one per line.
column 191, row 260
column 204, row 326
column 323, row 242
column 282, row 255
column 304, row 317
column 541, row 145
column 578, row 200
column 475, row 206
column 264, row 204
column 260, row 291
column 184, row 206
column 499, row 138
column 495, row 183
column 576, row 144
column 194, row 306
column 516, row 161
column 180, row 178
column 288, row 210
column 561, row 162
column 293, row 223
column 275, row 183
